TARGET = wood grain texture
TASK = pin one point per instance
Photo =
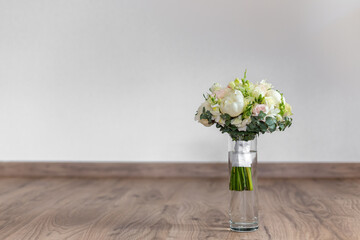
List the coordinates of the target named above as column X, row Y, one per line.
column 210, row 170
column 173, row 208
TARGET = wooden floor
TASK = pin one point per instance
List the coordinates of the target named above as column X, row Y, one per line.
column 88, row 208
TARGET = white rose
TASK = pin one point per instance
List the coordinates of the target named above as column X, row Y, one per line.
column 275, row 95
column 207, row 107
column 232, row 103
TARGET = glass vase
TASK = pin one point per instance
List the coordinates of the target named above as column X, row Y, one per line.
column 243, row 208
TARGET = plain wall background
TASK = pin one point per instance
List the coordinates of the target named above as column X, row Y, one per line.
column 121, row 80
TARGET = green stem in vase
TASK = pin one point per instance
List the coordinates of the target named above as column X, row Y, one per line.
column 250, row 186
column 232, row 184
column 240, row 179
column 234, row 179
column 243, row 178
column 246, row 179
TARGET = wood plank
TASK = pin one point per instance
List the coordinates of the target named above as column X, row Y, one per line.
column 173, row 208
column 166, row 170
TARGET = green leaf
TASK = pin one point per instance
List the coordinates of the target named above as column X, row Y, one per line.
column 260, row 99
column 248, row 110
column 261, row 115
column 272, row 128
column 263, row 126
column 270, row 121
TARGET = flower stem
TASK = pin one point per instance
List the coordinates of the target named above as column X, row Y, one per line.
column 250, row 184
column 240, row 179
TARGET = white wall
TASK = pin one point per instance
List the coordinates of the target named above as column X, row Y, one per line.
column 121, row 80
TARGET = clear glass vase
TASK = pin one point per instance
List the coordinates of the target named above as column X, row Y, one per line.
column 243, row 209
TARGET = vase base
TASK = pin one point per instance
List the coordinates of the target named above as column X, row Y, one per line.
column 253, row 229
column 246, row 227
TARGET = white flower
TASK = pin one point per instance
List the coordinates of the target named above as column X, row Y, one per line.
column 232, row 85
column 265, row 83
column 274, row 112
column 287, row 110
column 215, row 87
column 215, row 111
column 261, row 88
column 236, row 121
column 232, row 103
column 207, row 107
column 275, row 95
column 243, row 124
column 221, row 93
column 270, row 102
column 220, row 120
column 240, row 124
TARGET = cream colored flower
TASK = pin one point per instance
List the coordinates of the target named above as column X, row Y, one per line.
column 240, row 124
column 274, row 112
column 261, row 88
column 265, row 83
column 215, row 111
column 232, row 103
column 221, row 93
column 231, row 85
column 287, row 110
column 207, row 107
column 244, row 124
column 275, row 95
column 236, row 121
column 220, row 120
column 215, row 87
column 270, row 102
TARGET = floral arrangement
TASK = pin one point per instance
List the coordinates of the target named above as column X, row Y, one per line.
column 244, row 109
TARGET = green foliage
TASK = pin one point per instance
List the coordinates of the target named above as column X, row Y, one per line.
column 248, row 110
column 260, row 99
column 255, row 124
column 212, row 99
column 206, row 115
column 262, row 115
column 259, row 124
column 233, row 131
column 244, row 88
column 270, row 121
column 282, row 106
column 244, row 81
column 285, row 124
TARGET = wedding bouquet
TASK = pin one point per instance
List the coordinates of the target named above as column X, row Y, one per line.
column 244, row 110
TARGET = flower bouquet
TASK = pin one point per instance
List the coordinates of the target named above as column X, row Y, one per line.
column 244, row 110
